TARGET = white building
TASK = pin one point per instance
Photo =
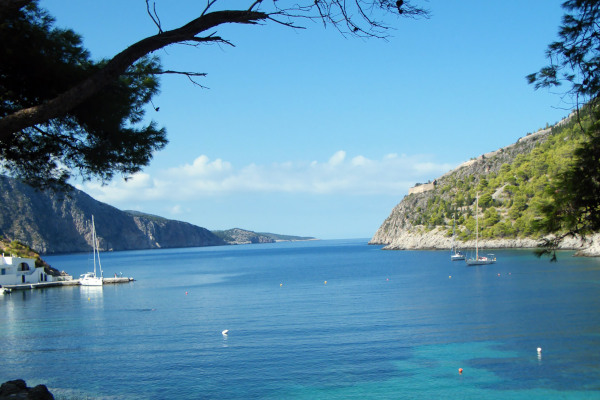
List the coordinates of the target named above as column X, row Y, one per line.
column 18, row 271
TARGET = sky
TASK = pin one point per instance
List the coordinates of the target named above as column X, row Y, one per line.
column 310, row 133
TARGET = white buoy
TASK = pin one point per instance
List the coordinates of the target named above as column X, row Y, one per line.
column 225, row 332
column 539, row 349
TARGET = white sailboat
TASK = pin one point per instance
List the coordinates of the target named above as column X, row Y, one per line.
column 90, row 278
column 455, row 254
column 479, row 260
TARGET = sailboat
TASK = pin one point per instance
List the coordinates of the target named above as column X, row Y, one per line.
column 490, row 259
column 90, row 278
column 455, row 254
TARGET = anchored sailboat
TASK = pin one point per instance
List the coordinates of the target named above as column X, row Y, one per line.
column 455, row 254
column 479, row 260
column 90, row 278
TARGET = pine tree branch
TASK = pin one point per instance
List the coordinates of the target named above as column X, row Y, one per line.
column 66, row 101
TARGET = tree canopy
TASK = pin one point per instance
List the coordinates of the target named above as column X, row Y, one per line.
column 573, row 206
column 64, row 114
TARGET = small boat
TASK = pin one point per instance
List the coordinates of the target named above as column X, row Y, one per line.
column 455, row 254
column 90, row 278
column 479, row 260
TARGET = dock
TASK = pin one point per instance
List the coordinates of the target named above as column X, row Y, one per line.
column 72, row 282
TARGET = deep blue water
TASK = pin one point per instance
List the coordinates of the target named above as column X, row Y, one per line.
column 310, row 320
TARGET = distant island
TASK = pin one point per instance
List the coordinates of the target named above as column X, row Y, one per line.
column 52, row 222
column 241, row 236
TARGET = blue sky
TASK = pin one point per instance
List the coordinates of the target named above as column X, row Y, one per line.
column 306, row 132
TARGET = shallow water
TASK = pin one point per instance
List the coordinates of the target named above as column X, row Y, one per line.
column 310, row 320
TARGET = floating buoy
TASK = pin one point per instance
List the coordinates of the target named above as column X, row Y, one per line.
column 460, row 371
column 539, row 349
column 281, row 284
column 186, row 293
column 449, row 276
column 225, row 332
column 325, row 282
column 498, row 274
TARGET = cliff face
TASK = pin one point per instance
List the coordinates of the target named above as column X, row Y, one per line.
column 61, row 223
column 414, row 223
column 399, row 233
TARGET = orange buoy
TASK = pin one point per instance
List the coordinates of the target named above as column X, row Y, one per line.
column 460, row 370
column 325, row 282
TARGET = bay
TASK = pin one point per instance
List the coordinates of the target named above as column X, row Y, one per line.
column 310, row 320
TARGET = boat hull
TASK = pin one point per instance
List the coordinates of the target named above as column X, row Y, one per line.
column 91, row 282
column 481, row 261
column 90, row 279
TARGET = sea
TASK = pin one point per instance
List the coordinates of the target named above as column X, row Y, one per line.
column 328, row 319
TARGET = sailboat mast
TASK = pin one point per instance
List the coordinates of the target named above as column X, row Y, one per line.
column 477, row 226
column 453, row 232
column 94, row 244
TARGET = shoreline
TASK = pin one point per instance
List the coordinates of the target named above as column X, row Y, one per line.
column 438, row 240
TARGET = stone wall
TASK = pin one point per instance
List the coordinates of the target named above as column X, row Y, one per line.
column 425, row 187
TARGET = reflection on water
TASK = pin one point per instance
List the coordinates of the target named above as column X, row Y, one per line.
column 91, row 293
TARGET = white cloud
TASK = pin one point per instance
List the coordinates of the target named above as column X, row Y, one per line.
column 391, row 175
column 337, row 158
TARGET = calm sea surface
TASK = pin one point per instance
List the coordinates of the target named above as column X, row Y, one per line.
column 310, row 320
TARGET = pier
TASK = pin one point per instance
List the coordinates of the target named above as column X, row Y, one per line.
column 72, row 282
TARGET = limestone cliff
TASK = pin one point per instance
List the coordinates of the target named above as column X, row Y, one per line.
column 60, row 223
column 406, row 228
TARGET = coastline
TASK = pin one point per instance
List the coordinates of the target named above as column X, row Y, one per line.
column 436, row 239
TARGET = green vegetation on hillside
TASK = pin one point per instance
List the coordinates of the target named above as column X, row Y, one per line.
column 510, row 197
column 18, row 249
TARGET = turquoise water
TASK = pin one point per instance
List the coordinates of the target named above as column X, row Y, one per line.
column 310, row 320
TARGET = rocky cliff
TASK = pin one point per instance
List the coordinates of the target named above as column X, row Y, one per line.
column 405, row 228
column 398, row 232
column 51, row 222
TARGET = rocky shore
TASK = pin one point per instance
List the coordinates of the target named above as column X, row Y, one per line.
column 436, row 239
column 18, row 389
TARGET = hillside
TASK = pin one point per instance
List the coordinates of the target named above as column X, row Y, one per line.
column 17, row 249
column 241, row 236
column 511, row 184
column 60, row 223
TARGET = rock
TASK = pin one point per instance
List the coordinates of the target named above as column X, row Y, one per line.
column 40, row 392
column 12, row 388
column 18, row 389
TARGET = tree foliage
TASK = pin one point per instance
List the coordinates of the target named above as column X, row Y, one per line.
column 62, row 113
column 511, row 194
column 102, row 135
column 573, row 204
